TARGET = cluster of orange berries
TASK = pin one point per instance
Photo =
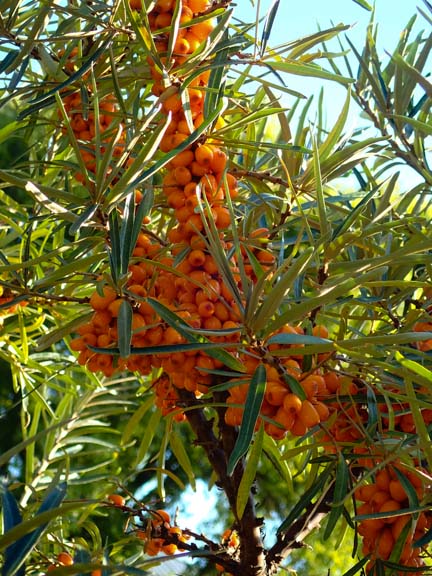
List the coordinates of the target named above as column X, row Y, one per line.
column 197, row 296
column 348, row 428
column 194, row 289
column 86, row 124
column 386, row 495
column 161, row 536
column 231, row 542
column 282, row 410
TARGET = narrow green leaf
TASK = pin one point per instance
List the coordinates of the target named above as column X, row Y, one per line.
column 296, row 339
column 249, row 473
column 124, row 324
column 216, row 84
column 174, row 28
column 180, row 452
column 47, row 340
column 306, row 499
column 358, row 565
column 367, row 7
column 325, row 226
column 114, row 251
column 421, row 428
column 71, row 79
column 272, row 451
column 424, row 540
column 333, row 138
column 10, row 511
column 309, row 70
column 286, row 276
column 83, row 218
column 328, row 294
column 131, row 427
column 340, row 491
column 268, row 25
column 126, row 228
column 150, row 431
column 16, row 553
column 40, row 520
column 251, row 411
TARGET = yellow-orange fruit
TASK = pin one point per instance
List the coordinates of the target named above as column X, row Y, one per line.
column 204, row 155
column 292, row 403
column 161, row 516
column 308, row 414
column 198, row 6
column 100, row 302
column 397, row 491
column 65, row 559
column 390, row 506
column 116, row 499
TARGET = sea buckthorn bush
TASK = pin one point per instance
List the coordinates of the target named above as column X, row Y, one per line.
column 194, row 291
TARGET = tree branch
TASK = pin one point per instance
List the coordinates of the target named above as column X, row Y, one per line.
column 252, row 559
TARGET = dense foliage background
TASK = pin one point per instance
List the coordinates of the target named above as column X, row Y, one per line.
column 89, row 91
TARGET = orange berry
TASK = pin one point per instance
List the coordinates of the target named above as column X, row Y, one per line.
column 322, row 410
column 219, row 160
column 172, row 104
column 114, row 307
column 161, row 516
column 390, row 506
column 198, row 6
column 77, row 345
column 153, row 547
column 181, row 46
column 378, row 499
column 193, row 41
column 182, row 175
column 275, row 393
column 206, row 309
column 163, row 20
column 287, row 419
column 65, row 559
column 196, row 258
column 169, row 549
column 204, row 155
column 183, row 158
column 292, row 403
column 385, row 543
column 117, row 499
column 382, row 479
column 365, row 493
column 397, row 491
column 320, row 331
column 203, row 29
column 171, row 336
column 198, row 170
column 308, row 414
column 135, row 4
column 98, row 302
column 164, row 5
column 299, row 428
column 101, row 319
